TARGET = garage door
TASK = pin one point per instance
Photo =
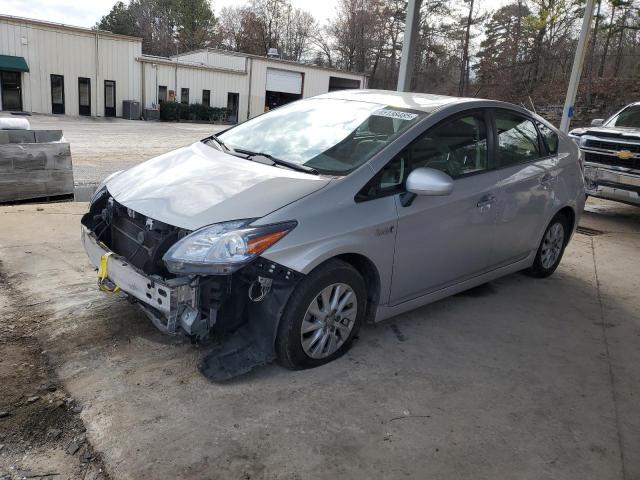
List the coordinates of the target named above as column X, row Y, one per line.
column 284, row 81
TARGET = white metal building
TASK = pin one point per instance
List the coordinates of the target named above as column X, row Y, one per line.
column 60, row 69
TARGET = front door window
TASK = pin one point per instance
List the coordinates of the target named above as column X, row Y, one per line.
column 457, row 147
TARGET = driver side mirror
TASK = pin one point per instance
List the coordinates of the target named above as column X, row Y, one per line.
column 429, row 181
column 426, row 181
column 597, row 122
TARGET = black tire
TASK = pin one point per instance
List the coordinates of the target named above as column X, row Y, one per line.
column 289, row 347
column 538, row 270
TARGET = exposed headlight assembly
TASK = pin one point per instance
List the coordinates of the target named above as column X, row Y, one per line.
column 222, row 248
column 102, row 188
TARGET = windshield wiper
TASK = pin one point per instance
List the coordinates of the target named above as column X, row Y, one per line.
column 278, row 161
column 218, row 141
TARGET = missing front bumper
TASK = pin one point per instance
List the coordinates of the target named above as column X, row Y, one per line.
column 245, row 325
column 171, row 304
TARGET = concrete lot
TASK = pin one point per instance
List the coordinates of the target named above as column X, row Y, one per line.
column 518, row 379
column 100, row 146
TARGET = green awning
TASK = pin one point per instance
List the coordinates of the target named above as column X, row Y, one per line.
column 10, row 63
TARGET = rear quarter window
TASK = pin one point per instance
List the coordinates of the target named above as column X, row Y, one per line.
column 550, row 138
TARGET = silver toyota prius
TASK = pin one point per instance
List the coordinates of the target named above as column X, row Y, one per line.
column 281, row 236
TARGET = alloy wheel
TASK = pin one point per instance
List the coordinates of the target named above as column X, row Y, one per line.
column 329, row 320
column 552, row 244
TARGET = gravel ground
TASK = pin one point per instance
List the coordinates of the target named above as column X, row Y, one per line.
column 100, row 146
column 519, row 379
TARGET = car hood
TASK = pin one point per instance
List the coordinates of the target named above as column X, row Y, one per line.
column 199, row 185
column 614, row 132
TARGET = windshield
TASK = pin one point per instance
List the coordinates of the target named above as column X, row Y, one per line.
column 330, row 135
column 629, row 117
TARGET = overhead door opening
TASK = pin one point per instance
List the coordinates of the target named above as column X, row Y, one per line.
column 283, row 86
column 338, row 83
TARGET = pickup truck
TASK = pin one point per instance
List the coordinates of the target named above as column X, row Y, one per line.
column 611, row 154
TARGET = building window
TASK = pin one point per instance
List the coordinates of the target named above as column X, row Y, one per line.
column 206, row 97
column 162, row 93
column 184, row 95
column 57, row 94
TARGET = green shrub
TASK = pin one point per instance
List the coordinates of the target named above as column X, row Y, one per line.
column 169, row 111
column 174, row 112
column 200, row 111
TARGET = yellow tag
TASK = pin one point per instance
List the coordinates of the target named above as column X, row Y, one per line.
column 103, row 272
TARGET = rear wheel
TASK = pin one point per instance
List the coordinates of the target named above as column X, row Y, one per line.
column 322, row 316
column 551, row 248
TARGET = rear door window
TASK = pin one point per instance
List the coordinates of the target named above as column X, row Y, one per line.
column 518, row 140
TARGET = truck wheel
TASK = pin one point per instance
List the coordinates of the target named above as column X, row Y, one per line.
column 322, row 316
column 551, row 247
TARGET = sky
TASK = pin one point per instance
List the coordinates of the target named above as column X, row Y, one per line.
column 83, row 13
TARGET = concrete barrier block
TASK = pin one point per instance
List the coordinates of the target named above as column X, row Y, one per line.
column 48, row 136
column 21, row 136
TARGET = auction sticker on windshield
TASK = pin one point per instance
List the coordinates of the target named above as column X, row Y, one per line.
column 385, row 112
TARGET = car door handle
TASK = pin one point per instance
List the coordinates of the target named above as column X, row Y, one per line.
column 486, row 200
column 546, row 179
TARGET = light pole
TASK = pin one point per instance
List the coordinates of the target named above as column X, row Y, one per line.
column 412, row 24
column 576, row 71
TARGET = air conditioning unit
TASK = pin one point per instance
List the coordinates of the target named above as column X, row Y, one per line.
column 131, row 109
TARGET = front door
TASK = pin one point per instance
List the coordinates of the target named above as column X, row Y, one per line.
column 109, row 98
column 84, row 96
column 443, row 240
column 57, row 94
column 526, row 176
column 233, row 99
column 11, row 88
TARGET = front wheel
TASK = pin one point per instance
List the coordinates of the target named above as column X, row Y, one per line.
column 551, row 248
column 322, row 316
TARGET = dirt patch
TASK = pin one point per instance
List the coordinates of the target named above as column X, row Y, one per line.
column 41, row 432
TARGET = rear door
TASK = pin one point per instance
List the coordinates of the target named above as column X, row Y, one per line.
column 443, row 240
column 526, row 176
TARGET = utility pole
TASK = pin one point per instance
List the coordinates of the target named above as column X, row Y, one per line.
column 411, row 25
column 576, row 71
column 464, row 67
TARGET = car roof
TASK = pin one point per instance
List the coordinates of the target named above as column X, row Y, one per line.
column 425, row 102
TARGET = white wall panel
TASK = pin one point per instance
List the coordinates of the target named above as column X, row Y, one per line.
column 73, row 53
column 217, row 59
column 217, row 82
column 49, row 49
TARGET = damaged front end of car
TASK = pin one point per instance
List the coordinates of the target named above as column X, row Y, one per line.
column 209, row 284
